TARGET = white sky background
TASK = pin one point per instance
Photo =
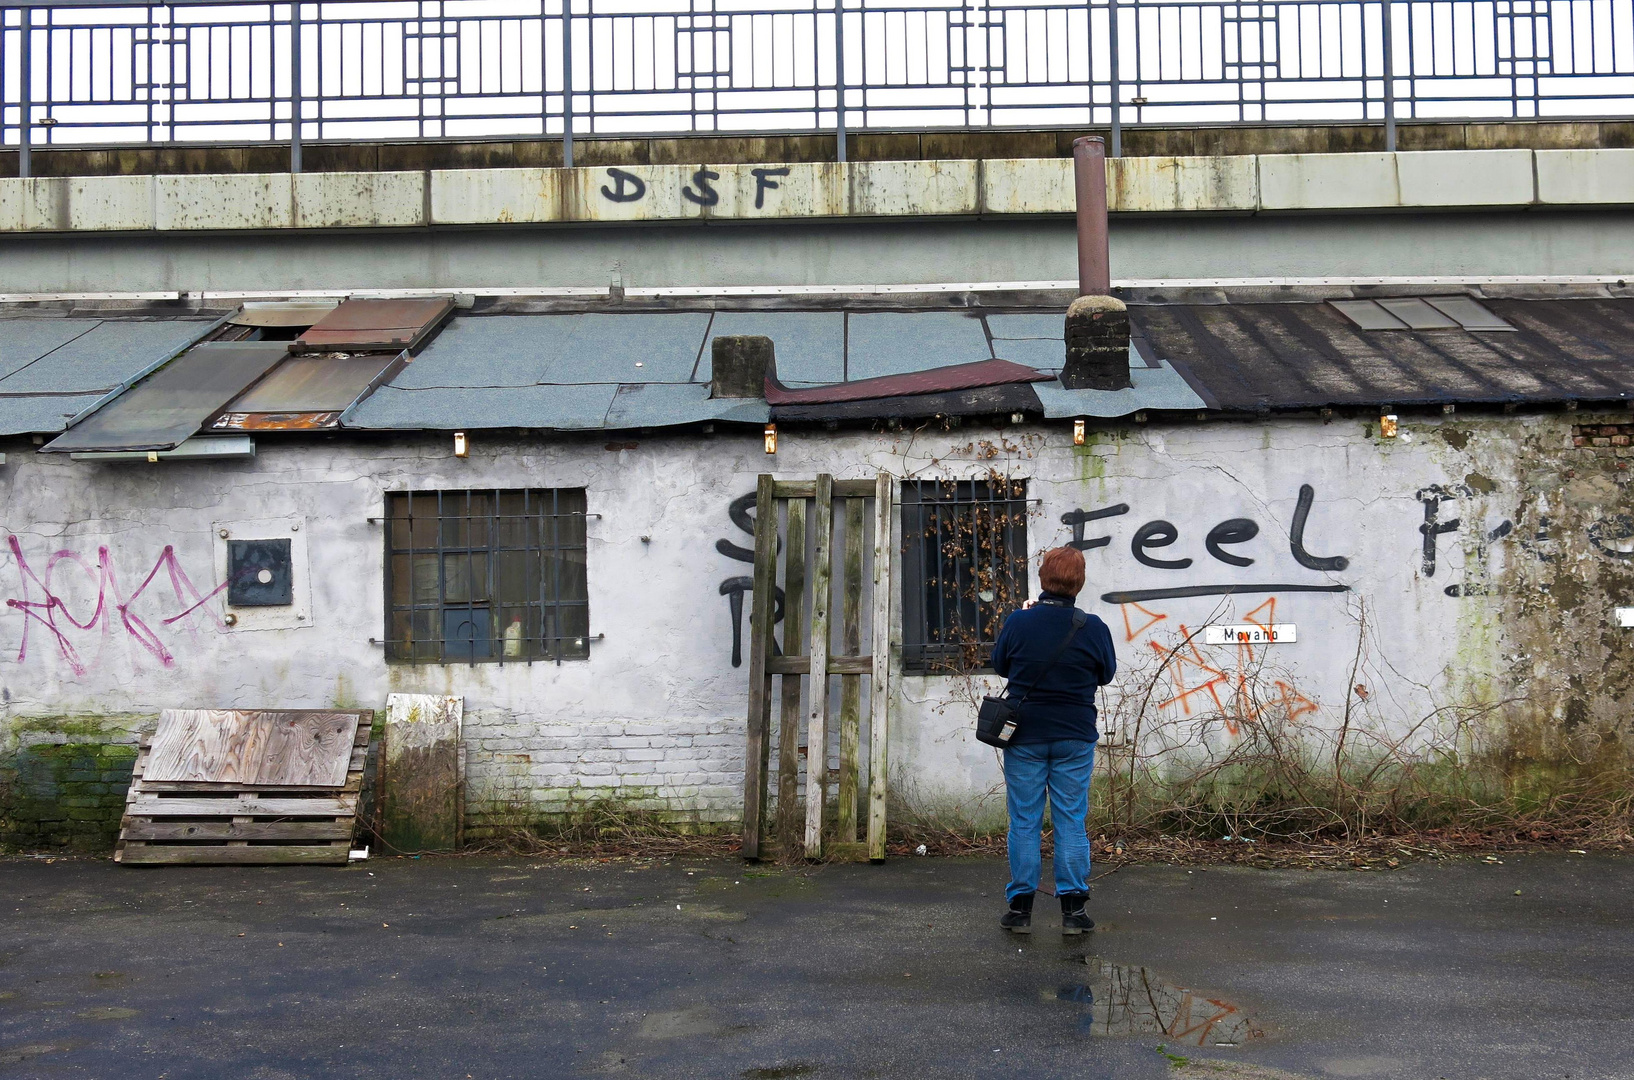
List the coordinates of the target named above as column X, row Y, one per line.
column 469, row 68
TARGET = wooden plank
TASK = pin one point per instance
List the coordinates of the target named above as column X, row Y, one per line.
column 337, row 829
column 232, row 806
column 760, row 681
column 421, row 810
column 879, row 688
column 822, row 528
column 213, row 745
column 306, row 749
column 787, row 828
column 222, row 855
column 837, row 665
column 807, row 489
column 850, row 684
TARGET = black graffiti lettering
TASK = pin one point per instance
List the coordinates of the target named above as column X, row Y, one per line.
column 1296, row 536
column 1077, row 518
column 733, row 588
column 764, row 183
column 1156, row 534
column 1432, row 497
column 705, row 195
column 1614, row 536
column 1234, row 531
column 628, row 186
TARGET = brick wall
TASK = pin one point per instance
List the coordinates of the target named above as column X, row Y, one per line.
column 64, row 794
column 520, row 769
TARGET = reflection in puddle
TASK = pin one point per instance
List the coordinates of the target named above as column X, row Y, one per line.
column 1124, row 1000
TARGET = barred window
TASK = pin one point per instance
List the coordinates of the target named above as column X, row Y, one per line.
column 964, row 568
column 480, row 576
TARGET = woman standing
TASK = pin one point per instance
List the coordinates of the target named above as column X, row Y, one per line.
column 1057, row 657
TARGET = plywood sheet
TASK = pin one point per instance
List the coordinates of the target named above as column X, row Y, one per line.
column 421, row 790
column 267, row 748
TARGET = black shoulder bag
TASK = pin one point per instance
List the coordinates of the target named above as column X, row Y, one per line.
column 997, row 719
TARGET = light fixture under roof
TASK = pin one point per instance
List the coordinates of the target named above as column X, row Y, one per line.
column 1420, row 313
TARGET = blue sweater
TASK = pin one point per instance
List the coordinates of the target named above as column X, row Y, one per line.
column 1062, row 705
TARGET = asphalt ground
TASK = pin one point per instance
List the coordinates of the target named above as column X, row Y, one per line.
column 508, row 967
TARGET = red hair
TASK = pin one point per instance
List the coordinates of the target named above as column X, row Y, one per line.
column 1062, row 571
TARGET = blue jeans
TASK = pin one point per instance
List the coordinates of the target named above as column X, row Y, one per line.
column 1062, row 770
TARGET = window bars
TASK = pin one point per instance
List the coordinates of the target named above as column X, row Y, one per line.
column 964, row 569
column 97, row 72
column 486, row 576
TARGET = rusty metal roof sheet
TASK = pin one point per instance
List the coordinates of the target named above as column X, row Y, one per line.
column 934, row 381
column 1258, row 357
column 315, row 382
column 175, row 401
column 391, row 325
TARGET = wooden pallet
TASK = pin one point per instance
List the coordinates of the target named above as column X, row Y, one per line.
column 192, row 822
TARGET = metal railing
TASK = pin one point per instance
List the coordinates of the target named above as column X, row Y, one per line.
column 101, row 72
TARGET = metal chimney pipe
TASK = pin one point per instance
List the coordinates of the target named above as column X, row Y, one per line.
column 1089, row 180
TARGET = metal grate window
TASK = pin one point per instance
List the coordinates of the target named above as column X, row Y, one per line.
column 486, row 576
column 964, row 564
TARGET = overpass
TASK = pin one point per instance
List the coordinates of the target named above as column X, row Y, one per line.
column 712, row 220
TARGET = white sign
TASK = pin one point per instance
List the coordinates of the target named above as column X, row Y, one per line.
column 1249, row 634
column 1625, row 616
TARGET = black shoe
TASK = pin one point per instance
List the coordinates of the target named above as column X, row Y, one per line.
column 1073, row 919
column 1019, row 919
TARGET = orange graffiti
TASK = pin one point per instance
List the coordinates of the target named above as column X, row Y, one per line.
column 1130, row 633
column 1177, row 672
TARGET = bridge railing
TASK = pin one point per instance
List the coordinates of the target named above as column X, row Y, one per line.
column 104, row 72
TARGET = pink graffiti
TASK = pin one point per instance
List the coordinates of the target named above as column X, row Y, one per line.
column 109, row 599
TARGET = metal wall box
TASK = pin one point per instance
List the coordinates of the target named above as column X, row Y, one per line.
column 376, row 325
column 260, row 573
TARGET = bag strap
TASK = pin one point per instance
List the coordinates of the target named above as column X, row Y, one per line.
column 1079, row 618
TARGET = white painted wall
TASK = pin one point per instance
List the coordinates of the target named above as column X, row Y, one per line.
column 658, row 710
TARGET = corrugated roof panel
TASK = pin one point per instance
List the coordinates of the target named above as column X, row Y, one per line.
column 28, row 414
column 1469, row 314
column 894, row 343
column 23, row 341
column 1368, row 315
column 1418, row 315
column 642, row 405
column 175, row 401
column 111, row 353
column 377, row 324
column 567, row 408
column 810, row 345
column 316, row 382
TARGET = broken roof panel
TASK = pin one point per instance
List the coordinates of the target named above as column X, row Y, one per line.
column 894, row 343
column 175, row 401
column 314, row 382
column 111, row 353
column 362, row 324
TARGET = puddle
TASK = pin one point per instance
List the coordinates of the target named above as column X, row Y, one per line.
column 780, row 1072
column 1122, row 1000
column 13, row 1055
